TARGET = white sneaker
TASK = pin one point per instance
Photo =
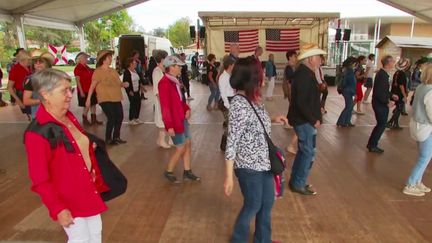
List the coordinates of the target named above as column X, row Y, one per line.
column 138, row 121
column 132, row 123
column 413, row 191
column 423, row 188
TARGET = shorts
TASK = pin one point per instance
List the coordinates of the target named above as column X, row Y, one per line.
column 180, row 138
column 82, row 100
column 368, row 83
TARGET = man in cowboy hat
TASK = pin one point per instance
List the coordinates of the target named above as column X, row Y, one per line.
column 399, row 88
column 305, row 116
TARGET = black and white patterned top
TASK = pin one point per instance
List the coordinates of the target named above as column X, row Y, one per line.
column 246, row 143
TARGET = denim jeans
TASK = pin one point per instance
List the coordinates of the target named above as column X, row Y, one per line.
column 257, row 188
column 305, row 156
column 214, row 94
column 425, row 155
column 381, row 114
column 346, row 114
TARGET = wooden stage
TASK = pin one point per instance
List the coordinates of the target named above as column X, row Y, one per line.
column 359, row 194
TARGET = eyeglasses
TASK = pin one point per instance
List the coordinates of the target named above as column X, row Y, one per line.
column 69, row 89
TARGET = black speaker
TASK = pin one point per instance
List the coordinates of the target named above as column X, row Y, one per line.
column 347, row 35
column 338, row 34
column 202, row 32
column 192, row 32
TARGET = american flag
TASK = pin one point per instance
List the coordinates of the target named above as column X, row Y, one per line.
column 282, row 39
column 246, row 39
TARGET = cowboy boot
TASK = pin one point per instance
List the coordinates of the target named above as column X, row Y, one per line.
column 85, row 122
column 94, row 121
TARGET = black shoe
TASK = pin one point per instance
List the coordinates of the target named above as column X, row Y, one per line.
column 171, row 177
column 350, row 125
column 188, row 175
column 375, row 150
column 396, row 127
column 304, row 191
column 111, row 142
column 120, row 141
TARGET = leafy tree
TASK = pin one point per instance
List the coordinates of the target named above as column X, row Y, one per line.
column 101, row 32
column 159, row 32
column 44, row 36
column 178, row 33
column 8, row 41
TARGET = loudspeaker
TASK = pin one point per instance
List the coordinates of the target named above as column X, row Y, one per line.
column 347, row 35
column 192, row 32
column 202, row 32
column 338, row 34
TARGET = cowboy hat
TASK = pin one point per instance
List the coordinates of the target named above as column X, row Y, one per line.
column 172, row 60
column 310, row 50
column 403, row 64
column 102, row 53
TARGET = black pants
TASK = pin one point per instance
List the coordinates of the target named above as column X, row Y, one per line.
column 394, row 120
column 324, row 97
column 135, row 106
column 381, row 115
column 114, row 114
column 187, row 87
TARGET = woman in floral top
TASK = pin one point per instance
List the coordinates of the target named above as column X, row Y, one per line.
column 247, row 153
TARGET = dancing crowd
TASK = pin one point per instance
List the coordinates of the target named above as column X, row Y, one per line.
column 65, row 172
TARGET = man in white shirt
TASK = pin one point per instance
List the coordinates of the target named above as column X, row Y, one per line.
column 226, row 93
column 370, row 71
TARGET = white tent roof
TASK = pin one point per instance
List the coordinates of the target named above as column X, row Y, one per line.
column 61, row 14
column 418, row 8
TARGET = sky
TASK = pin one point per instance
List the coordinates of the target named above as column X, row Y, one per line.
column 162, row 13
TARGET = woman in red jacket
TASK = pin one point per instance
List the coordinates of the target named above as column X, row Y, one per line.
column 65, row 172
column 175, row 115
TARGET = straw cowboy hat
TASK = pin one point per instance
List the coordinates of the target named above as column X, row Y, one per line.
column 310, row 50
column 48, row 57
column 103, row 53
column 403, row 64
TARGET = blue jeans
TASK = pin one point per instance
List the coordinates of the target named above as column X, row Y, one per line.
column 345, row 116
column 425, row 155
column 305, row 156
column 214, row 94
column 257, row 188
column 180, row 138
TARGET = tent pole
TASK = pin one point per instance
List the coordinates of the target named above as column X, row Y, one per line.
column 81, row 37
column 412, row 27
column 19, row 25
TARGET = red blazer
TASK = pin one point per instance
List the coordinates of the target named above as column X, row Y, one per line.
column 172, row 105
column 61, row 178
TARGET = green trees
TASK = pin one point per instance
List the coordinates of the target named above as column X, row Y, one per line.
column 178, row 33
column 99, row 33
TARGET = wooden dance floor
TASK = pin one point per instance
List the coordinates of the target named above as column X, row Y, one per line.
column 359, row 194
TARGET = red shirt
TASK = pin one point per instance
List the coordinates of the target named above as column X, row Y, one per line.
column 172, row 106
column 84, row 73
column 18, row 74
column 61, row 178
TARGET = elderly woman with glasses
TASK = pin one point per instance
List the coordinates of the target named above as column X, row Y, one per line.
column 65, row 172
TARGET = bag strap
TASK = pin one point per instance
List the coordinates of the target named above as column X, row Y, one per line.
column 256, row 113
